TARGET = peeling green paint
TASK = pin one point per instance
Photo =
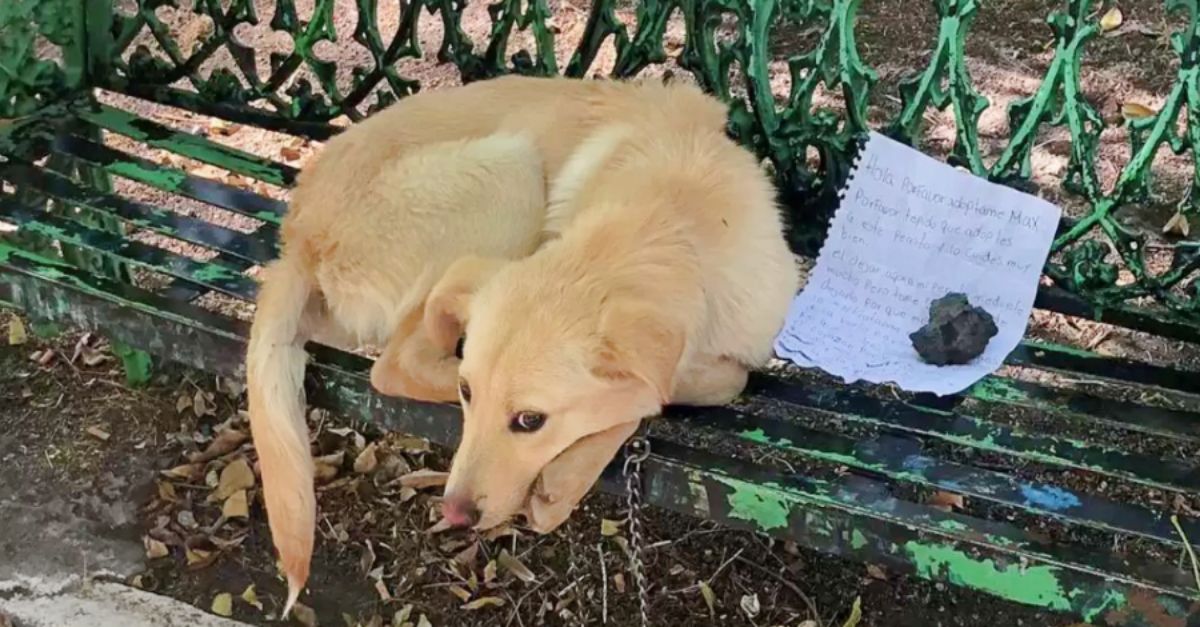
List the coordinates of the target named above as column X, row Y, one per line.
column 166, row 179
column 1032, row 585
column 767, row 508
column 1112, row 600
column 857, row 540
column 211, row 272
column 997, row 390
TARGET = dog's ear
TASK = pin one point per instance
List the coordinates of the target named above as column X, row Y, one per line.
column 641, row 341
column 448, row 302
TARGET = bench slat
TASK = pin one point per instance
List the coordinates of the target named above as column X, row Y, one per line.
column 901, row 459
column 258, row 247
column 190, row 145
column 172, row 180
column 211, row 275
column 965, row 430
column 1074, row 360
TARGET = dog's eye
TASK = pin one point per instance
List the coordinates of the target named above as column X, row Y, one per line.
column 464, row 390
column 458, row 348
column 527, row 422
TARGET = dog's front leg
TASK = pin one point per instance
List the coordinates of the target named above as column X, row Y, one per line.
column 708, row 381
column 411, row 366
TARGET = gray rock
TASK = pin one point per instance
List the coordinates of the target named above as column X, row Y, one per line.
column 956, row 333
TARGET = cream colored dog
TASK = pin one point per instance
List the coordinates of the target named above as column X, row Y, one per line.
column 403, row 217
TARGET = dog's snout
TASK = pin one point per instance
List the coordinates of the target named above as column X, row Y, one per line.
column 460, row 512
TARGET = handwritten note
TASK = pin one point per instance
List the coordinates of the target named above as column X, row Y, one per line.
column 909, row 230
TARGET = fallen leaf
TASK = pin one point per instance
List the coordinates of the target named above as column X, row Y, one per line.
column 424, row 478
column 327, row 466
column 382, row 590
column 489, row 571
column 483, row 602
column 251, row 597
column 514, row 566
column 236, row 506
column 166, row 491
column 460, row 592
column 289, row 153
column 1111, row 20
column 222, row 604
column 439, row 526
column 855, row 613
column 467, row 556
column 1135, row 111
column 154, row 548
column 199, row 558
column 946, row 501
column 226, row 441
column 236, row 476
column 200, row 404
column 304, row 614
column 876, row 572
column 809, row 623
column 1178, row 224
column 366, row 460
column 16, row 332
column 98, row 433
column 609, row 527
column 183, row 403
column 423, row 622
column 710, row 599
column 619, row 582
column 750, row 605
column 221, row 127
column 401, row 617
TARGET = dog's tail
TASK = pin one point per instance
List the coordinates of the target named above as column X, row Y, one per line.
column 275, row 364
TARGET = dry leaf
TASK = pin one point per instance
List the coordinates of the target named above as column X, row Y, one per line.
column 1135, row 111
column 199, row 558
column 1178, row 224
column 855, row 613
column 750, row 605
column 710, row 599
column 876, row 572
column 304, row 614
column 289, row 153
column 236, row 476
column 166, row 491
column 514, row 566
column 186, row 472
column 226, row 441
column 154, row 548
column 16, row 332
column 98, row 433
column 200, row 404
column 251, row 597
column 423, row 622
column 327, row 466
column 401, row 617
column 221, row 127
column 946, row 501
column 424, row 478
column 366, row 460
column 1111, row 20
column 609, row 527
column 236, row 506
column 381, row 588
column 619, row 582
column 93, row 357
column 484, row 602
column 183, row 403
column 460, row 592
column 467, row 556
column 222, row 604
column 489, row 572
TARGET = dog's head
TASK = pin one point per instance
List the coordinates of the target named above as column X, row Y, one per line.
column 557, row 371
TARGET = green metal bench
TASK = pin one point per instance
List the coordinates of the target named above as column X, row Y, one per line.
column 1070, row 473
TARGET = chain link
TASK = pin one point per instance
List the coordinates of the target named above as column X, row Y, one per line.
column 636, row 452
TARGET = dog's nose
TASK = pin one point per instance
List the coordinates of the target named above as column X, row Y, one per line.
column 460, row 512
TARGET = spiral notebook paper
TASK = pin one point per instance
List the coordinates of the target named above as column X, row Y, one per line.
column 909, row 230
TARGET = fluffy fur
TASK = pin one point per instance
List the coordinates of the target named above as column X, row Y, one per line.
column 398, row 222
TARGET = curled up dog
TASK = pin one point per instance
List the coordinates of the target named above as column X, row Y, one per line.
column 602, row 246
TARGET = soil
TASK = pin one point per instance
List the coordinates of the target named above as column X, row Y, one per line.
column 74, row 428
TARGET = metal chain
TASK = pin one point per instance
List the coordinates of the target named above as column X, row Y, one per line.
column 636, row 452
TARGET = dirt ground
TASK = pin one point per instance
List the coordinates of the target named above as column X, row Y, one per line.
column 69, row 424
